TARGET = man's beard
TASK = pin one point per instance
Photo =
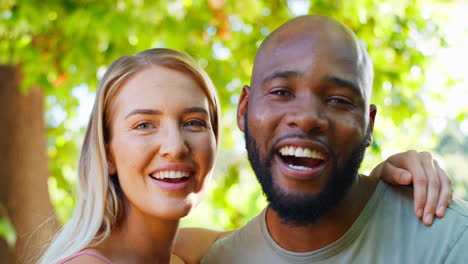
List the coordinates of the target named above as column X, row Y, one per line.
column 303, row 209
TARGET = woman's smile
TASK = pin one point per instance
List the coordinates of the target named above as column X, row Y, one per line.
column 173, row 177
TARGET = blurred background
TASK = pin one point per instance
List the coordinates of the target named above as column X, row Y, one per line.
column 53, row 54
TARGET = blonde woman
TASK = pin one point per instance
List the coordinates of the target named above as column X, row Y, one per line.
column 148, row 153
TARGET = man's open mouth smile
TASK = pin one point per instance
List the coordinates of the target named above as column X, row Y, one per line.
column 301, row 158
column 301, row 161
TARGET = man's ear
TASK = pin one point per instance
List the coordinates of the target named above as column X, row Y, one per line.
column 111, row 169
column 242, row 107
column 370, row 129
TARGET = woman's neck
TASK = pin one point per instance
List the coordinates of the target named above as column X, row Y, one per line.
column 140, row 238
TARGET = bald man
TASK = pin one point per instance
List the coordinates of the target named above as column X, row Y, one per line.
column 308, row 120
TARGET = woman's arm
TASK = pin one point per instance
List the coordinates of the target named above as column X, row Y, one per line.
column 193, row 243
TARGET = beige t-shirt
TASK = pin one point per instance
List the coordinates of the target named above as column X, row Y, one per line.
column 386, row 231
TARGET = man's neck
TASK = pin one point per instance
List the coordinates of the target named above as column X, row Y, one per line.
column 329, row 227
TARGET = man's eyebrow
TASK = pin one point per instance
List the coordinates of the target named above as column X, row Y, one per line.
column 345, row 83
column 195, row 109
column 143, row 112
column 282, row 74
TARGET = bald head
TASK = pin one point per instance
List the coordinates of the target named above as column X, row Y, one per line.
column 322, row 35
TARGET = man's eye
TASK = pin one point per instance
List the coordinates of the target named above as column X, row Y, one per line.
column 281, row 92
column 339, row 100
column 144, row 125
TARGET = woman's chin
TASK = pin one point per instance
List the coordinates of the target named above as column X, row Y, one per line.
column 173, row 211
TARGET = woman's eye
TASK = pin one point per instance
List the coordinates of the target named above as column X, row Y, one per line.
column 195, row 124
column 144, row 125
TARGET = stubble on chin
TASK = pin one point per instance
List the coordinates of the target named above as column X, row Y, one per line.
column 302, row 209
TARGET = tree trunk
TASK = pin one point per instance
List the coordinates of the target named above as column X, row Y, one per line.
column 23, row 167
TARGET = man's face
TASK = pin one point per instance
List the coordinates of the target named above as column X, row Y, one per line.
column 306, row 123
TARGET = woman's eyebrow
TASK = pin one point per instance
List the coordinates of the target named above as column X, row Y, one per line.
column 195, row 109
column 143, row 112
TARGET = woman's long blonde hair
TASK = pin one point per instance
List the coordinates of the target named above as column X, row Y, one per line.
column 99, row 199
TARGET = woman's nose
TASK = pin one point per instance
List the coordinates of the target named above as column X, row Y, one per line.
column 173, row 143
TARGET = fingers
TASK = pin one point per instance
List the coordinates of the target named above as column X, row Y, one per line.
column 392, row 174
column 433, row 187
column 446, row 192
column 411, row 161
column 377, row 171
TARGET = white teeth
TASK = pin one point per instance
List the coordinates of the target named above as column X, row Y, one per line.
column 170, row 174
column 299, row 167
column 300, row 152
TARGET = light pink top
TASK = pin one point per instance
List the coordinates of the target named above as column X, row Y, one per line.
column 85, row 252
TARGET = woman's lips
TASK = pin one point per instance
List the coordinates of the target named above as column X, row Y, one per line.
column 173, row 185
column 173, row 177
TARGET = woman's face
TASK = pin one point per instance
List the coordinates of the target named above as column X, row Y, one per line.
column 162, row 145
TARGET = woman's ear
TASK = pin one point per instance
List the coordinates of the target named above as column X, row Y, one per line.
column 112, row 170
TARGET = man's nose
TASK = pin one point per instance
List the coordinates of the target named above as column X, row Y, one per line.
column 173, row 144
column 309, row 115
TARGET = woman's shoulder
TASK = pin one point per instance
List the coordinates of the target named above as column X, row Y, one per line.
column 86, row 256
column 193, row 243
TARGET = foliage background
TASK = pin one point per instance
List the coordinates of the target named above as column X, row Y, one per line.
column 419, row 50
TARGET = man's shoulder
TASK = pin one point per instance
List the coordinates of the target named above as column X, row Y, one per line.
column 394, row 225
column 237, row 246
column 459, row 208
column 399, row 201
column 251, row 228
column 403, row 196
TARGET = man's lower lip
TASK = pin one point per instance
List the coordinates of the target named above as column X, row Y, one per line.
column 172, row 186
column 298, row 173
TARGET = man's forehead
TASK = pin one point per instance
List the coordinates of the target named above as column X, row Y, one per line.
column 300, row 54
column 299, row 44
